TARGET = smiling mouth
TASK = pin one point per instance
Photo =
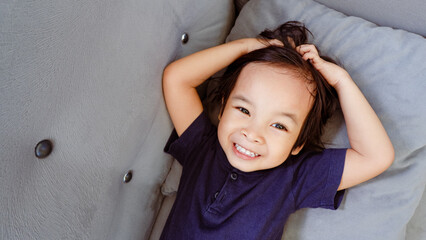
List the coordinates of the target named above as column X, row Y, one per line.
column 245, row 152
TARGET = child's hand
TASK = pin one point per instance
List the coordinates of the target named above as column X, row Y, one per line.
column 252, row 44
column 330, row 71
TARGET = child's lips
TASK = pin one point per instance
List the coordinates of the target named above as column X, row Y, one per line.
column 244, row 153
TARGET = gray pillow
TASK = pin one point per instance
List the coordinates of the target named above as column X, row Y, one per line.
column 390, row 68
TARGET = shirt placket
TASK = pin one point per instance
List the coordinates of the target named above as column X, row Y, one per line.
column 224, row 195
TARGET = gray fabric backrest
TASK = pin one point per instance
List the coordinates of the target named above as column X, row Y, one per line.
column 408, row 14
column 87, row 76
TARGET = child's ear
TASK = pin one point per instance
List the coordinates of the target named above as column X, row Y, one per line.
column 297, row 150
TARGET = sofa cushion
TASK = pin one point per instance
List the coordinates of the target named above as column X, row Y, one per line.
column 408, row 14
column 87, row 76
column 389, row 66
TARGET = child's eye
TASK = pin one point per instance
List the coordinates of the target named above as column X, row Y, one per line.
column 279, row 126
column 243, row 110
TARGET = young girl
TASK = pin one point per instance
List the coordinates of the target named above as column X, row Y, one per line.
column 265, row 160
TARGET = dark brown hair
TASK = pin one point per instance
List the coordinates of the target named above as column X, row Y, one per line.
column 325, row 97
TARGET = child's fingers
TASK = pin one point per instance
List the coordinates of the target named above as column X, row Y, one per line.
column 306, row 48
column 309, row 56
column 275, row 42
column 291, row 41
column 309, row 52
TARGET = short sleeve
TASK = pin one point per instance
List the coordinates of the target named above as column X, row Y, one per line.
column 317, row 179
column 191, row 139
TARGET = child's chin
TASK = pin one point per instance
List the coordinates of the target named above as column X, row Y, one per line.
column 243, row 166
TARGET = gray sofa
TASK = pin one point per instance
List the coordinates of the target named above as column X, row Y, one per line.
column 83, row 122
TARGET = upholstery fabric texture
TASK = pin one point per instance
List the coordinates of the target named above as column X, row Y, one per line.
column 408, row 14
column 389, row 66
column 87, row 76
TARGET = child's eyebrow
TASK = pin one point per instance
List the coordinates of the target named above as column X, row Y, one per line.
column 241, row 98
column 291, row 116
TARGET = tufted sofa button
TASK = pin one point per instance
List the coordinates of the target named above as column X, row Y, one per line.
column 128, row 176
column 185, row 38
column 43, row 148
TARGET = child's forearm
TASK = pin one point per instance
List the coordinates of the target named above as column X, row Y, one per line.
column 371, row 150
column 196, row 68
column 366, row 133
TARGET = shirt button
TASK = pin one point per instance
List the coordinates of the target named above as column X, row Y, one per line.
column 234, row 176
column 216, row 194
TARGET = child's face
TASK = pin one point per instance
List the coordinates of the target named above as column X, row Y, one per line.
column 263, row 117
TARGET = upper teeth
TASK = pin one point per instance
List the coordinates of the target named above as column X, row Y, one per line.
column 245, row 151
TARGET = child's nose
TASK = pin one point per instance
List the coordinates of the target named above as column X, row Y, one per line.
column 253, row 135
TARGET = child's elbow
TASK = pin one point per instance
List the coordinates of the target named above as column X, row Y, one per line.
column 167, row 73
column 388, row 157
column 169, row 77
column 391, row 156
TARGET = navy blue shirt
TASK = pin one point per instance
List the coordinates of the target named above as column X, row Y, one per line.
column 217, row 201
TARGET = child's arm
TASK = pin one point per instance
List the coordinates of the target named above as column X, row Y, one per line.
column 371, row 151
column 181, row 77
